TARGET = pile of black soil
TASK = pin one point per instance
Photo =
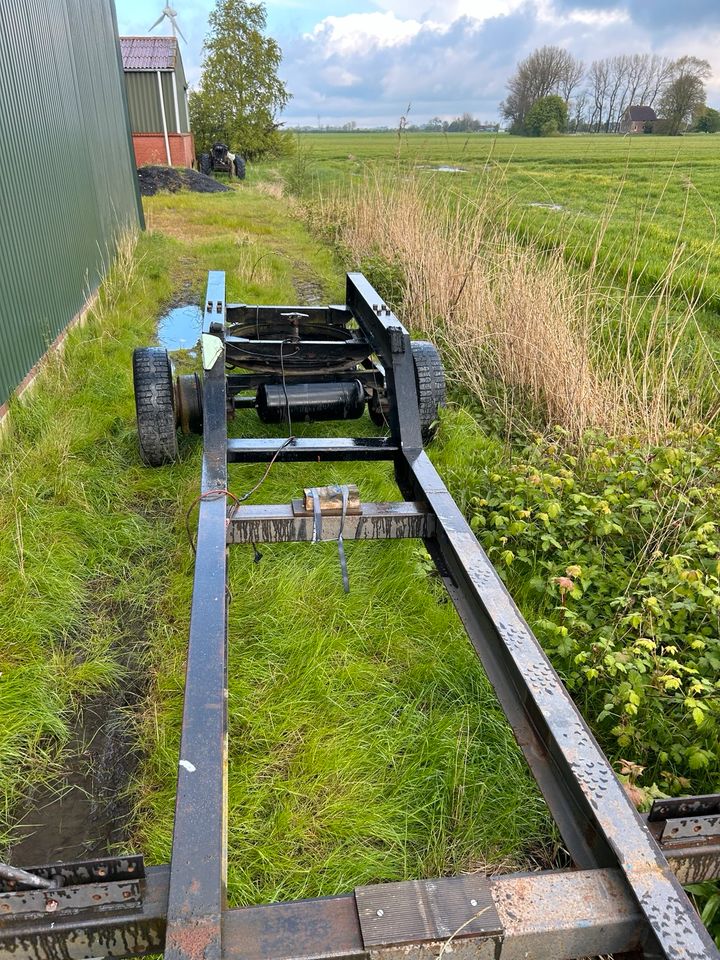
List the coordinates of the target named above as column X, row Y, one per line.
column 173, row 179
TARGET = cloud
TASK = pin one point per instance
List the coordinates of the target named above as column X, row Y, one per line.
column 656, row 15
column 365, row 60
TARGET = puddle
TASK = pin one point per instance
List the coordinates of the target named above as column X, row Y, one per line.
column 444, row 169
column 547, row 206
column 180, row 328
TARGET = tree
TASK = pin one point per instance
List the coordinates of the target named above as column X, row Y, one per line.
column 240, row 93
column 547, row 70
column 684, row 95
column 708, row 121
column 547, row 116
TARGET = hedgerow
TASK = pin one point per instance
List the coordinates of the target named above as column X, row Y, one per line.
column 614, row 557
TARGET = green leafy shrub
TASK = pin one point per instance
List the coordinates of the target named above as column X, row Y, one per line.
column 614, row 557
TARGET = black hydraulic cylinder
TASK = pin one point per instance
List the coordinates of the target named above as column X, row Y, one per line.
column 311, row 401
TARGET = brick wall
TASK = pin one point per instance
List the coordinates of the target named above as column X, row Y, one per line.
column 150, row 148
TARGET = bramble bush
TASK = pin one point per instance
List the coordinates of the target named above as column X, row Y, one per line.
column 613, row 555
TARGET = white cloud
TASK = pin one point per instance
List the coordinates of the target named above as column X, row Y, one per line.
column 355, row 32
column 447, row 11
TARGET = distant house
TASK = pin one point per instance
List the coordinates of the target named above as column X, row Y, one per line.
column 157, row 100
column 635, row 118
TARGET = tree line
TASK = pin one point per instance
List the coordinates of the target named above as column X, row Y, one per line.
column 553, row 91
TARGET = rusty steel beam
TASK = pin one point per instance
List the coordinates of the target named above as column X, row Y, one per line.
column 547, row 914
column 543, row 915
column 197, row 895
column 377, row 521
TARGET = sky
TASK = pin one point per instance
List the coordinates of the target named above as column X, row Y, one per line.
column 367, row 61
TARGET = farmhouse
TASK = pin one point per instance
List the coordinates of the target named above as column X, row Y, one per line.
column 635, row 118
column 157, row 100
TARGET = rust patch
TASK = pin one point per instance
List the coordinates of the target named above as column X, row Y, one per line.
column 193, row 939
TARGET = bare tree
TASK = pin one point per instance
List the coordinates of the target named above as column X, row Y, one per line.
column 599, row 79
column 545, row 71
column 617, row 69
column 658, row 74
column 578, row 110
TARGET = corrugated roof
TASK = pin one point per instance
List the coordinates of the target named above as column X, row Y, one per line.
column 641, row 114
column 148, row 53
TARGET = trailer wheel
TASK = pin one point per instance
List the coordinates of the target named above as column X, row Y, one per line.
column 430, row 384
column 154, row 406
column 239, row 167
column 205, row 164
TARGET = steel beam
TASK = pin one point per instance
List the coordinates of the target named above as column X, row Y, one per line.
column 543, row 915
column 377, row 521
column 549, row 914
column 311, row 449
column 391, row 343
column 598, row 823
column 197, row 895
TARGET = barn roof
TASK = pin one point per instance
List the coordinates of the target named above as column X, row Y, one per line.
column 148, row 53
column 640, row 114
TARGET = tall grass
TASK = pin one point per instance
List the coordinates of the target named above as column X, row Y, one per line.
column 524, row 334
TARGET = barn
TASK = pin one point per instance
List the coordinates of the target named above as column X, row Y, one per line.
column 635, row 119
column 68, row 182
column 157, row 100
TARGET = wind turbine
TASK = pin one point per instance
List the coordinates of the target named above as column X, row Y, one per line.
column 171, row 15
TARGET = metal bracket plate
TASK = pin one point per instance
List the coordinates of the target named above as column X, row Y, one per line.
column 103, row 870
column 417, row 911
column 124, row 895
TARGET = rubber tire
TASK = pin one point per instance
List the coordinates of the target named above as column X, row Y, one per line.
column 430, row 384
column 240, row 167
column 155, row 406
column 205, row 164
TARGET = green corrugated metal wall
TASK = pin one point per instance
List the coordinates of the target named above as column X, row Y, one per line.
column 144, row 102
column 67, row 181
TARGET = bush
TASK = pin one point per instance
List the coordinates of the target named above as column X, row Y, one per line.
column 546, row 117
column 614, row 557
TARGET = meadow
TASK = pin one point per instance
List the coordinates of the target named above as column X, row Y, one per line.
column 641, row 200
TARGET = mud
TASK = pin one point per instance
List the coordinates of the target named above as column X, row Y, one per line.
column 309, row 292
column 86, row 810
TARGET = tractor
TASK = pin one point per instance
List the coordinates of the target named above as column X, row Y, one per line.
column 221, row 160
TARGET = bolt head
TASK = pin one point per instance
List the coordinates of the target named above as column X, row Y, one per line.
column 473, row 903
column 380, row 913
column 51, row 906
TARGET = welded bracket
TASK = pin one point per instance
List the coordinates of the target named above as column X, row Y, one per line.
column 95, row 885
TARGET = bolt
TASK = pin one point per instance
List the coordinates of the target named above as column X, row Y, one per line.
column 127, row 894
column 5, row 907
column 380, row 913
column 473, row 903
column 51, row 906
column 96, row 896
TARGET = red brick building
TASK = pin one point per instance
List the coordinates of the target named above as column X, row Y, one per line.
column 635, row 119
column 157, row 100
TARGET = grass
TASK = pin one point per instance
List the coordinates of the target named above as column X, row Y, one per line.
column 642, row 195
column 528, row 340
column 366, row 743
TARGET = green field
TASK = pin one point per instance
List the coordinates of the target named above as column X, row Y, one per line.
column 647, row 195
